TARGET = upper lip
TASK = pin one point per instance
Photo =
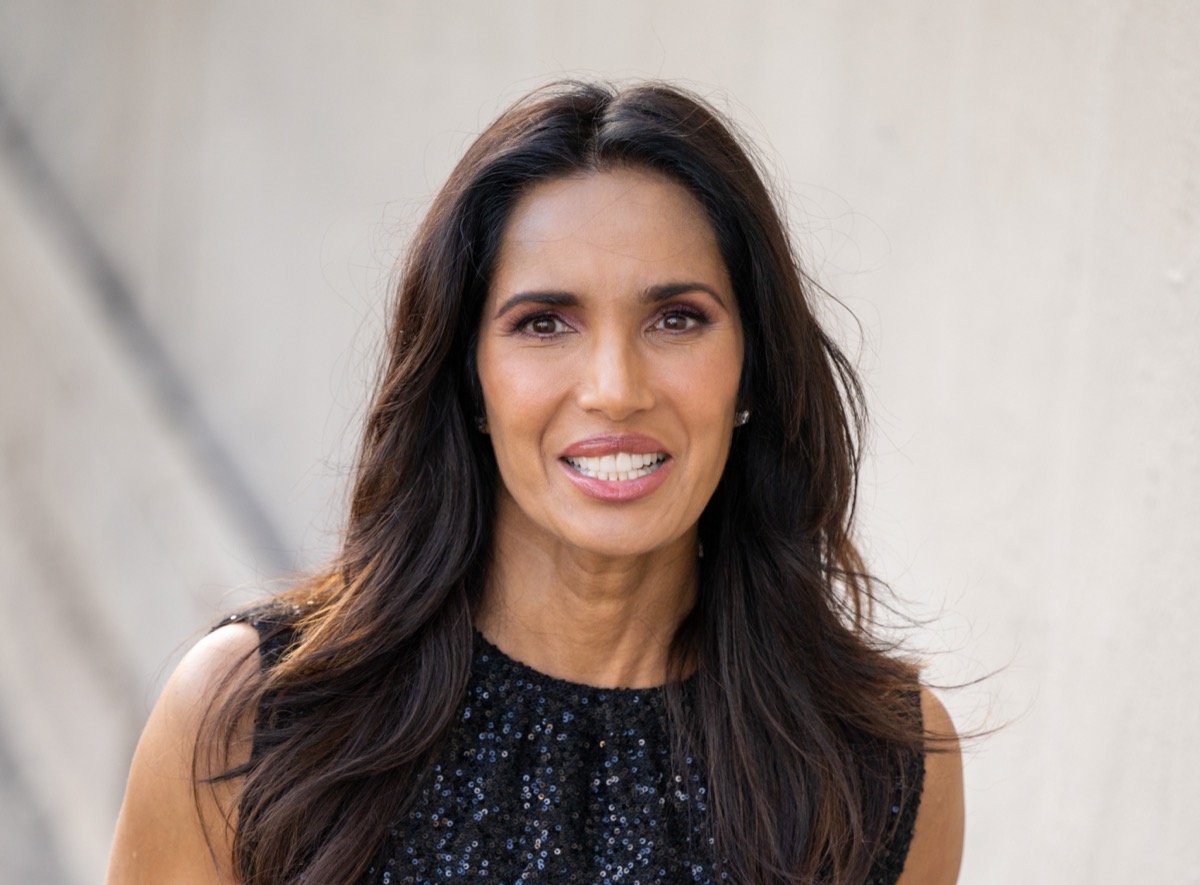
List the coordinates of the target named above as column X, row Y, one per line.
column 610, row 444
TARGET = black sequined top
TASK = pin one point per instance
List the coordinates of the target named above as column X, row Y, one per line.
column 548, row 780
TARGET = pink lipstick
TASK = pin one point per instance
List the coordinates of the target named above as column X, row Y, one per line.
column 616, row 467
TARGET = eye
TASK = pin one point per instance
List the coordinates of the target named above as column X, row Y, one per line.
column 542, row 325
column 680, row 319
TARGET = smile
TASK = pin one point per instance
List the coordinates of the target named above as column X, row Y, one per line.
column 618, row 467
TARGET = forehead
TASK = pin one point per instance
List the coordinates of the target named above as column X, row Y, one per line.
column 613, row 227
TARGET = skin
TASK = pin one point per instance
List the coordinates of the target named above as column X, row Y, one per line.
column 161, row 833
column 581, row 589
column 935, row 855
column 576, row 340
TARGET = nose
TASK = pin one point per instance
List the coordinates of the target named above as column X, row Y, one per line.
column 616, row 379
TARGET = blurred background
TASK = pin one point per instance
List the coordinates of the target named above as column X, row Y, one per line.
column 201, row 203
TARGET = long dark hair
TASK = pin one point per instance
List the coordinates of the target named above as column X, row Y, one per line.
column 790, row 687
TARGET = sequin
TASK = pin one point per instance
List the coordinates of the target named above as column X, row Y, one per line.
column 551, row 780
column 548, row 780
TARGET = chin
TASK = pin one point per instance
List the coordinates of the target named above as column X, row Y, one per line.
column 619, row 545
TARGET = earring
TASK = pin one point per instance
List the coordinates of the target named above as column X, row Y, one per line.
column 741, row 417
column 481, row 423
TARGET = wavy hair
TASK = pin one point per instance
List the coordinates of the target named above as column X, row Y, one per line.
column 790, row 685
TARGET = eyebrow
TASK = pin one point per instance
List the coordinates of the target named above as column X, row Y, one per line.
column 653, row 295
column 670, row 290
column 557, row 299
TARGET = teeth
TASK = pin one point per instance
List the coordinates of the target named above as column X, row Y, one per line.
column 620, row 467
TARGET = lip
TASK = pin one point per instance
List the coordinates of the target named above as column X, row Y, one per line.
column 610, row 444
column 616, row 491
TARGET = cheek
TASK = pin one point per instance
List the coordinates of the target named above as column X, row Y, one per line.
column 513, row 393
column 707, row 396
column 519, row 404
column 709, row 388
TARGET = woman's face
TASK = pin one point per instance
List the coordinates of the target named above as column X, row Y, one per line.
column 610, row 352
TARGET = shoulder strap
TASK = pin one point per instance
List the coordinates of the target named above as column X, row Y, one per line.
column 907, row 775
column 276, row 627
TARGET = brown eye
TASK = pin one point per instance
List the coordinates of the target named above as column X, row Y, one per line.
column 543, row 325
column 678, row 321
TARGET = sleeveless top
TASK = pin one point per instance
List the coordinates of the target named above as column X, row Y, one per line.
column 548, row 780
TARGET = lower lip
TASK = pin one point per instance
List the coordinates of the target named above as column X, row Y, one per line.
column 610, row 490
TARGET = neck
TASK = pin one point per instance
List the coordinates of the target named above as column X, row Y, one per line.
column 584, row 617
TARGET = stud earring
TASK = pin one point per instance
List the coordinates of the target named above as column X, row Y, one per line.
column 481, row 423
column 741, row 417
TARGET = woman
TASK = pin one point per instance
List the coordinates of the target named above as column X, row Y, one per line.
column 597, row 615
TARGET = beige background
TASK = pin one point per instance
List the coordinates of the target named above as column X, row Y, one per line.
column 200, row 202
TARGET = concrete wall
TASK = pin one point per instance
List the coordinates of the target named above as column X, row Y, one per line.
column 200, row 203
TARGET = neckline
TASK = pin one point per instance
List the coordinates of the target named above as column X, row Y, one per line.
column 488, row 652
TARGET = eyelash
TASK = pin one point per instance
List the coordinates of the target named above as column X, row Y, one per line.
column 699, row 317
column 522, row 324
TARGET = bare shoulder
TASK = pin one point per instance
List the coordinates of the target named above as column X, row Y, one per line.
column 162, row 835
column 936, row 851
